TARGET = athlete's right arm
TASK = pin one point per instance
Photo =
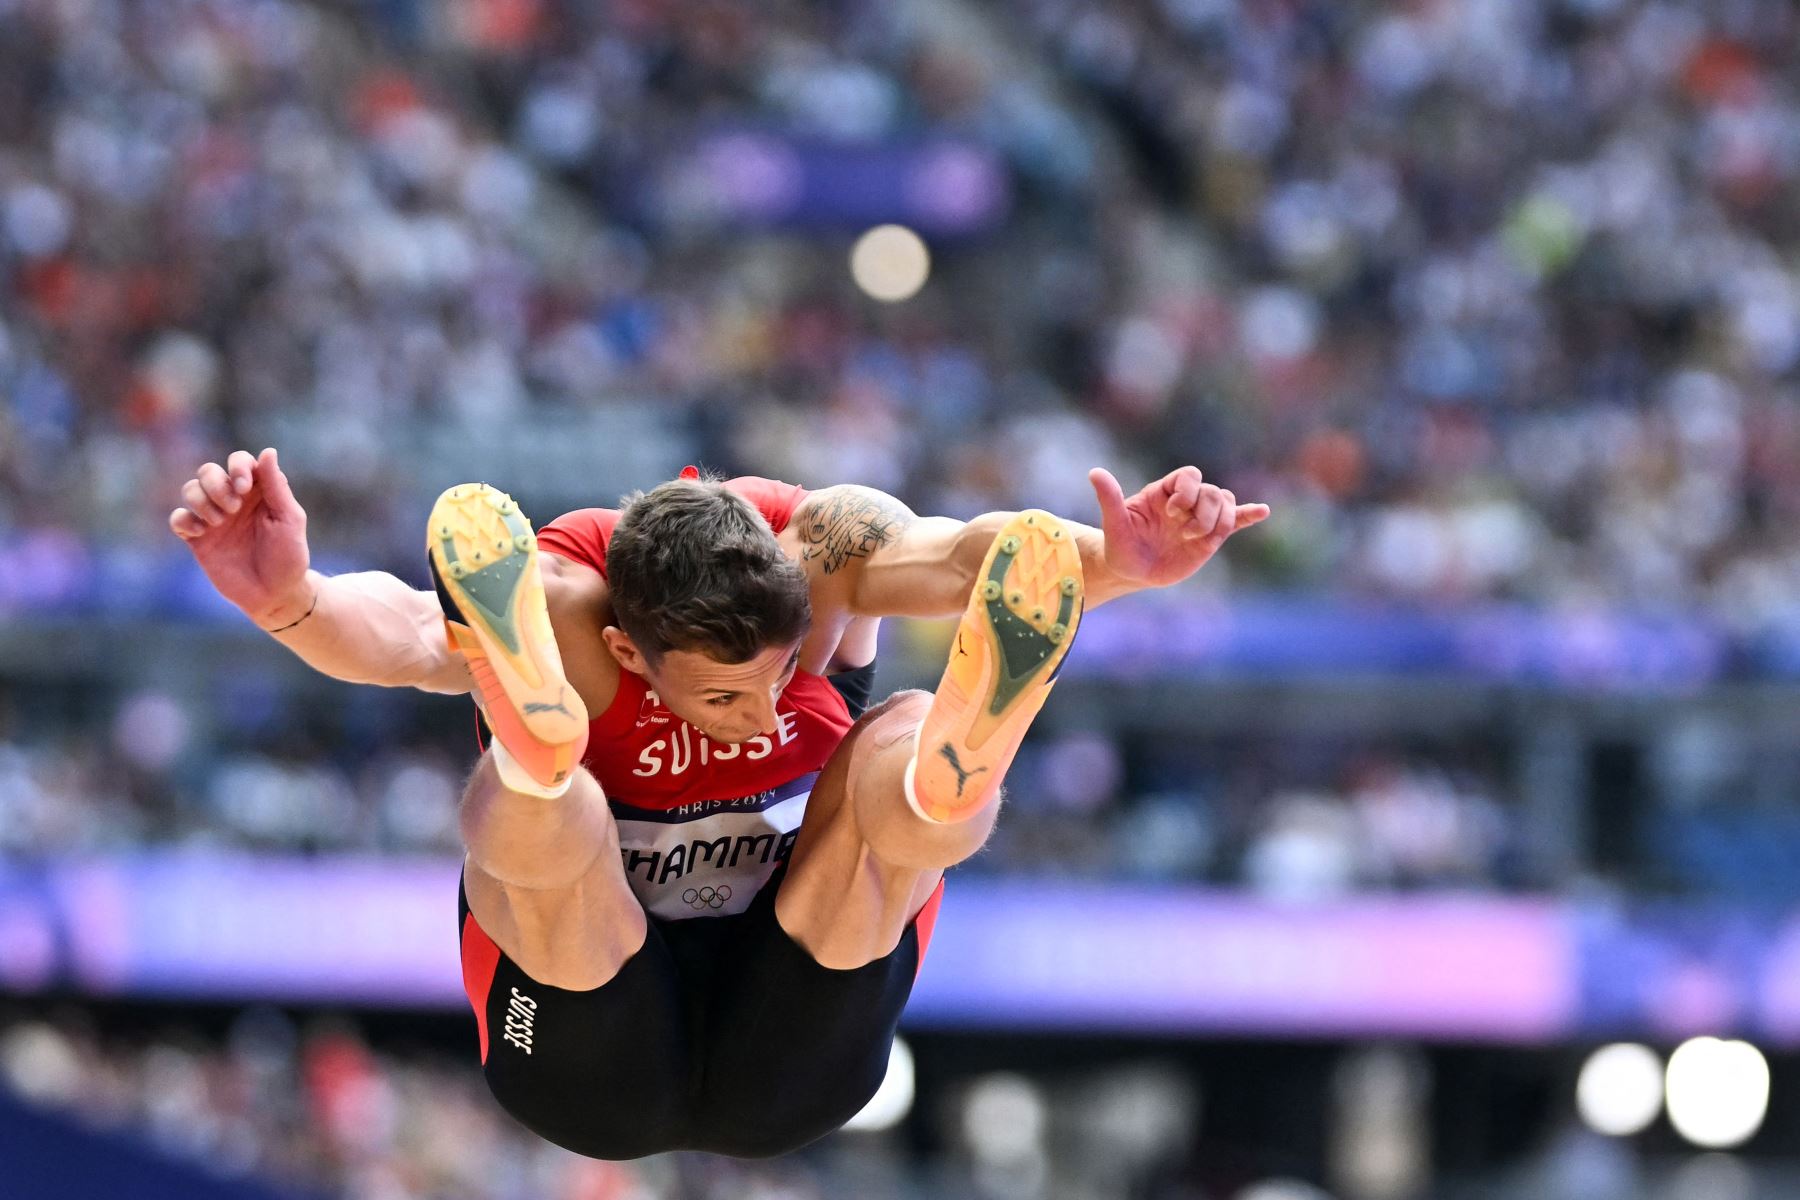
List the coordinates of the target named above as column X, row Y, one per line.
column 248, row 534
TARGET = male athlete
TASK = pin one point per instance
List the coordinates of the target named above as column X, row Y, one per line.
column 700, row 878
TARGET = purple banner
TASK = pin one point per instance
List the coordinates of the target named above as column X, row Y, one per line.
column 1119, row 958
column 350, row 929
column 369, row 931
column 1153, row 637
column 1019, row 955
column 756, row 177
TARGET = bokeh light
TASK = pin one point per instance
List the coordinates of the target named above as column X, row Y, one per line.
column 894, row 1098
column 890, row 263
column 1620, row 1089
column 1718, row 1092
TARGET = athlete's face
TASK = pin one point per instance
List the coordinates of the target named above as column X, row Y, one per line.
column 728, row 702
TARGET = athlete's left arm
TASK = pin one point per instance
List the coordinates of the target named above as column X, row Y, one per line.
column 888, row 562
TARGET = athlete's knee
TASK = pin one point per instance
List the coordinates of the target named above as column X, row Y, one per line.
column 892, row 827
column 902, row 837
column 899, row 716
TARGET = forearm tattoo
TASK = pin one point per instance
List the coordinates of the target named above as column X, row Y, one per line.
column 852, row 525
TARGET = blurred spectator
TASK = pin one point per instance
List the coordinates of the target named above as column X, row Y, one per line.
column 322, row 1110
column 1492, row 300
column 1302, row 830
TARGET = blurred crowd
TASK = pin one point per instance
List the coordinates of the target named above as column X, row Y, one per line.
column 1505, row 290
column 320, row 1107
column 322, row 1111
column 1290, row 823
column 377, row 776
column 1493, row 298
column 285, row 779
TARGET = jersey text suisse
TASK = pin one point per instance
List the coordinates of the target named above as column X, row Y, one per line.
column 702, row 824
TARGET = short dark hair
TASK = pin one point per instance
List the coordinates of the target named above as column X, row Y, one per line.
column 694, row 566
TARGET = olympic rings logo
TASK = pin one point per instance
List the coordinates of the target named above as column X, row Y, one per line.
column 706, row 897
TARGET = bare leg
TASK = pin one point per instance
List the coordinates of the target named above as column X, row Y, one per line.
column 542, row 875
column 866, row 862
column 544, row 880
column 868, row 856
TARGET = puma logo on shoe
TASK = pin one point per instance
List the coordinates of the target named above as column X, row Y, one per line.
column 962, row 777
column 532, row 708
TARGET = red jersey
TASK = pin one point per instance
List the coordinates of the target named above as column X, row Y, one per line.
column 702, row 825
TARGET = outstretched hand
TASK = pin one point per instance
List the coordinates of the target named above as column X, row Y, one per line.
column 249, row 535
column 1168, row 530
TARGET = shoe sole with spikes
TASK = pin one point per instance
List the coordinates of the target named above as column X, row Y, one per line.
column 484, row 563
column 1009, row 647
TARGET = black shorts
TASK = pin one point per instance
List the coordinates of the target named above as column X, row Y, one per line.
column 720, row 1034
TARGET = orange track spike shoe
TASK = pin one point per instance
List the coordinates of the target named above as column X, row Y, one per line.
column 484, row 562
column 1009, row 647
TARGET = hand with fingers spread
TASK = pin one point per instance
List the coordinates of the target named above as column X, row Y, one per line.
column 1168, row 530
column 249, row 535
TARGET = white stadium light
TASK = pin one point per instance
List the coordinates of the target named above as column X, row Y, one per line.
column 890, row 262
column 893, row 1099
column 1718, row 1092
column 1620, row 1090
